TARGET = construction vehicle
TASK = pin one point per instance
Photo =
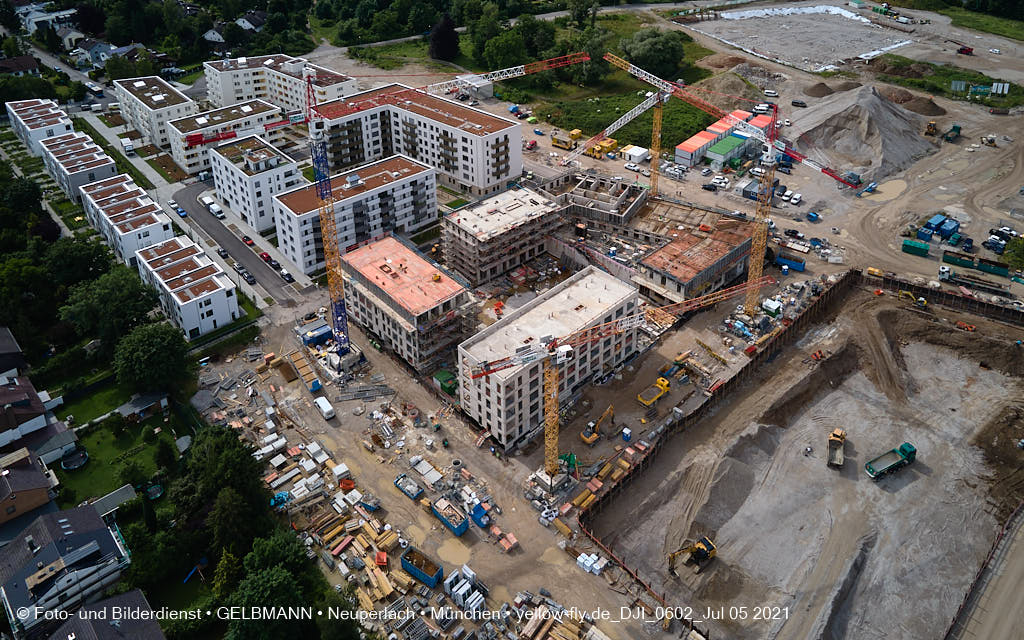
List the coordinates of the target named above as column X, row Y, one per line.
column 562, row 141
column 953, row 134
column 917, row 301
column 890, row 461
column 963, row 326
column 964, row 49
column 836, row 445
column 575, row 134
column 653, row 393
column 931, row 129
column 592, row 432
column 701, row 553
column 989, row 140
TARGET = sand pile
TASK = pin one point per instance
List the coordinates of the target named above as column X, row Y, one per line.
column 863, row 132
column 846, row 86
column 924, row 106
column 819, row 90
column 722, row 61
column 896, row 94
column 719, row 89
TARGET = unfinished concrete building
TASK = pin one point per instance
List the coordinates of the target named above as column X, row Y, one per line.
column 509, row 403
column 498, row 234
column 412, row 305
column 603, row 198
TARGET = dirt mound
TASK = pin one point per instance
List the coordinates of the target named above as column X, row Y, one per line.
column 719, row 89
column 924, row 106
column 915, row 70
column 846, row 86
column 896, row 94
column 819, row 90
column 861, row 131
column 722, row 61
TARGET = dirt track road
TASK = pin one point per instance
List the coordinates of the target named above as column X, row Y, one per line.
column 998, row 613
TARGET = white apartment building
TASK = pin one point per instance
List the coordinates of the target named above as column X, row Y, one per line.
column 195, row 293
column 279, row 79
column 473, row 151
column 247, row 174
column 499, row 233
column 510, row 403
column 36, row 120
column 192, row 137
column 74, row 160
column 126, row 216
column 149, row 103
column 412, row 305
column 396, row 194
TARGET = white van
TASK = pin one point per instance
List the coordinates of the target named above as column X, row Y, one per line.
column 757, row 171
column 324, row 407
column 761, row 109
column 796, row 198
column 217, row 211
column 771, row 93
column 786, row 196
column 207, row 201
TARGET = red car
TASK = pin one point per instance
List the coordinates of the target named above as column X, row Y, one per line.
column 532, row 144
column 247, row 240
column 265, row 256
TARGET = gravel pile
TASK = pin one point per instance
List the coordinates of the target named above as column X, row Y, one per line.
column 924, row 106
column 819, row 90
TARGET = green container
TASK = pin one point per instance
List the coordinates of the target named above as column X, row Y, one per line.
column 959, row 259
column 916, row 248
column 998, row 268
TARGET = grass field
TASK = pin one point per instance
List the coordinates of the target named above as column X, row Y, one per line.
column 939, row 79
column 983, row 22
column 95, row 404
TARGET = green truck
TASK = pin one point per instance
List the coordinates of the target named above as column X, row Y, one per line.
column 891, row 461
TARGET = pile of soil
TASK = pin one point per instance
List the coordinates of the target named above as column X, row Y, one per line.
column 881, row 65
column 846, row 86
column 722, row 61
column 819, row 90
column 896, row 94
column 924, row 106
column 863, row 132
column 719, row 89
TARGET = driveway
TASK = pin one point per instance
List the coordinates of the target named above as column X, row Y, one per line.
column 188, row 199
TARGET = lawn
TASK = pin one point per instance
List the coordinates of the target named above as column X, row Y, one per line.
column 95, row 404
column 939, row 78
column 123, row 165
column 112, row 120
column 430, row 234
column 167, row 168
column 108, row 453
column 251, row 315
column 309, row 174
column 984, row 22
column 393, row 56
column 322, row 29
column 457, row 202
column 194, row 73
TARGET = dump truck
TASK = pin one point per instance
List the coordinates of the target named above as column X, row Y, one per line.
column 653, row 393
column 953, row 134
column 421, row 567
column 890, row 461
column 836, row 444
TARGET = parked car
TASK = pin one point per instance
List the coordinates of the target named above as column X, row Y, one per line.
column 238, row 267
column 531, row 145
column 796, row 198
column 274, row 264
column 287, row 276
column 538, row 132
column 181, row 212
column 474, row 103
column 787, row 122
column 705, row 171
column 709, row 187
column 792, row 233
column 248, row 277
column 631, row 166
column 799, row 103
column 523, row 115
column 222, row 252
column 172, row 204
column 771, row 93
column 265, row 256
column 645, row 173
column 784, row 169
column 248, row 241
column 995, row 51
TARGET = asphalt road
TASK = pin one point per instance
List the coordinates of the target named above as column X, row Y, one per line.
column 188, row 199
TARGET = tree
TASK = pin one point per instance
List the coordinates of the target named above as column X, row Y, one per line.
column 234, row 35
column 505, row 50
column 234, row 522
column 330, row 629
column 593, row 40
column 110, row 306
column 131, row 473
column 273, row 587
column 115, row 424
column 49, row 39
column 164, row 456
column 444, row 40
column 74, row 259
column 78, row 91
column 151, row 357
column 385, row 25
column 8, row 17
column 538, row 35
column 149, row 515
column 583, row 12
column 226, row 577
column 364, row 12
column 1014, row 253
column 12, row 48
column 483, row 30
column 90, row 17
column 420, row 18
column 324, row 11
column 282, row 549
column 660, row 52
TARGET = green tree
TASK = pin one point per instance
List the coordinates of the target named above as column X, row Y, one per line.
column 234, row 35
column 282, row 549
column 131, row 473
column 273, row 587
column 538, row 35
column 8, row 17
column 164, row 456
column 594, row 41
column 330, row 629
column 149, row 515
column 421, row 18
column 583, row 12
column 1014, row 253
column 385, row 25
column 47, row 36
column 151, row 357
column 11, row 47
column 25, row 87
column 74, row 259
column 505, row 50
column 78, row 91
column 115, row 424
column 444, row 40
column 110, row 306
column 483, row 31
column 660, row 52
column 226, row 577
column 234, row 522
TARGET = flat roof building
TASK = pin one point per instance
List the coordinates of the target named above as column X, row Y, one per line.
column 36, row 120
column 414, row 306
column 195, row 293
column 499, row 233
column 187, row 135
column 472, row 150
column 74, row 160
column 122, row 616
column 395, row 194
column 126, row 216
column 278, row 78
column 510, row 402
column 248, row 173
column 149, row 103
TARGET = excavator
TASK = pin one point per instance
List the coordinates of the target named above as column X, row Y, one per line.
column 702, row 552
column 918, row 302
column 592, row 432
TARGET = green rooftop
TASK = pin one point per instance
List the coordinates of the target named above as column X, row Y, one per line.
column 725, row 146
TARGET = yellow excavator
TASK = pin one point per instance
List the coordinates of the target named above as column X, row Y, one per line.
column 917, row 302
column 701, row 553
column 592, row 432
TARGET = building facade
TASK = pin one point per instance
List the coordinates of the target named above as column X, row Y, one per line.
column 24, row 412
column 279, row 79
column 36, row 120
column 414, row 306
column 58, row 563
column 694, row 263
column 126, row 216
column 473, row 151
column 498, row 233
column 190, row 138
column 195, row 293
column 74, row 160
column 510, row 403
column 149, row 103
column 25, row 486
column 247, row 174
column 396, row 194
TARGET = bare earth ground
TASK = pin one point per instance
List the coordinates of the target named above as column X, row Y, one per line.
column 842, row 554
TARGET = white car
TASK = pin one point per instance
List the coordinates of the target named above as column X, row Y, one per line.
column 787, row 122
column 796, row 198
column 705, row 171
column 645, row 173
column 631, row 166
column 771, row 93
column 786, row 196
column 995, row 51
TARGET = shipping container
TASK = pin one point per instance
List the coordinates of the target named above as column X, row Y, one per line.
column 935, row 222
column 957, row 258
column 450, row 516
column 421, row 567
column 924, row 234
column 948, row 228
column 788, row 259
column 915, row 248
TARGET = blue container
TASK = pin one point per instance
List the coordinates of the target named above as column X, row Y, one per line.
column 627, row 435
column 791, row 261
column 948, row 228
column 924, row 234
column 480, row 517
column 935, row 222
column 319, row 335
column 419, row 566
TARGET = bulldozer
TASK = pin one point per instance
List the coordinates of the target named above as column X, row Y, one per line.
column 701, row 553
column 592, row 432
column 931, row 129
